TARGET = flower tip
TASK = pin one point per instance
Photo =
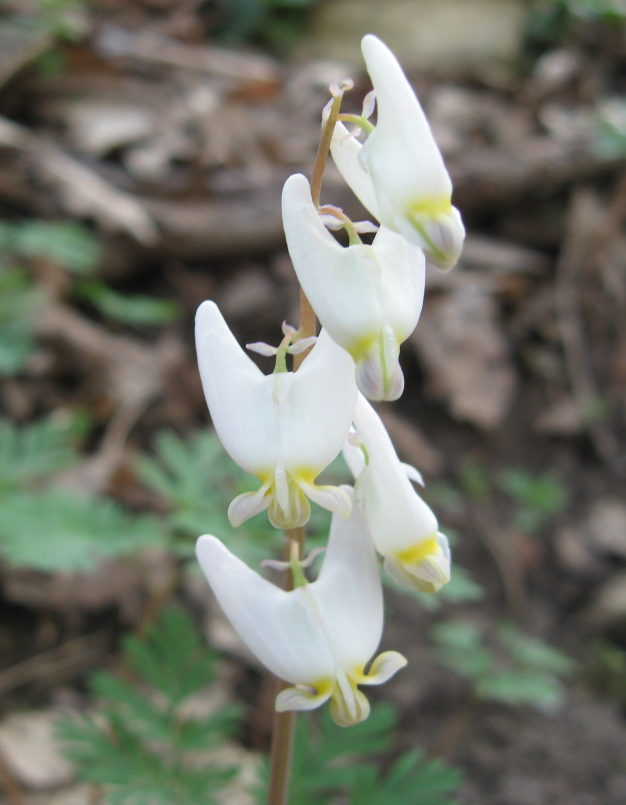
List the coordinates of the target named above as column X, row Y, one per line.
column 374, row 384
column 207, row 312
column 425, row 567
column 296, row 189
column 371, row 45
column 441, row 237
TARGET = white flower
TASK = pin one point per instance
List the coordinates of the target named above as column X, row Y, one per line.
column 403, row 527
column 368, row 298
column 318, row 637
column 399, row 174
column 285, row 428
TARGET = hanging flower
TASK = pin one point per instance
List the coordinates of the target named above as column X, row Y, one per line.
column 399, row 174
column 368, row 298
column 285, row 428
column 403, row 527
column 320, row 636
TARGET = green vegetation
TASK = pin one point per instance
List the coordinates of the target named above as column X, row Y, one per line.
column 140, row 743
column 521, row 671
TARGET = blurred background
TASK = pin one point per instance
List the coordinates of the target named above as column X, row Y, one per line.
column 143, row 149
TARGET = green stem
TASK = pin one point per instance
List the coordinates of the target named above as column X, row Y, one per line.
column 348, row 224
column 361, row 122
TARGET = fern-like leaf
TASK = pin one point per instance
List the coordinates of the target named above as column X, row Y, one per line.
column 58, row 530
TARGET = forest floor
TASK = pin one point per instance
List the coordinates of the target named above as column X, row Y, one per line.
column 175, row 154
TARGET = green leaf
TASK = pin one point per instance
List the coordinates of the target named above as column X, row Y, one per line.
column 31, row 452
column 460, row 647
column 534, row 654
column 540, row 690
column 327, row 758
column 135, row 310
column 413, row 780
column 538, row 497
column 19, row 302
column 139, row 743
column 58, row 530
column 173, row 659
column 198, row 480
column 67, row 243
column 141, row 715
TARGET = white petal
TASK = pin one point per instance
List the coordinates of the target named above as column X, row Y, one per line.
column 262, row 348
column 349, row 706
column 355, row 459
column 239, row 396
column 397, row 517
column 340, row 283
column 331, row 498
column 345, row 152
column 289, row 507
column 429, row 573
column 401, row 291
column 403, row 154
column 378, row 372
column 245, row 506
column 315, row 422
column 281, row 628
column 297, row 699
column 440, row 236
column 349, row 593
column 384, row 667
column 302, row 345
column 412, row 474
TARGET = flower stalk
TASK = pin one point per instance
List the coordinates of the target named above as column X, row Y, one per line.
column 284, row 724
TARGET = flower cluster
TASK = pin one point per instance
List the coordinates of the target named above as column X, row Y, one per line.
column 286, row 427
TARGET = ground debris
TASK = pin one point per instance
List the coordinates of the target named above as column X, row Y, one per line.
column 466, row 357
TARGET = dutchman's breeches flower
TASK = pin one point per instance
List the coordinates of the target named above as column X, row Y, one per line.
column 368, row 298
column 320, row 636
column 399, row 174
column 403, row 527
column 285, row 428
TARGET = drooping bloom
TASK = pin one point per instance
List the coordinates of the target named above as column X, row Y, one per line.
column 368, row 298
column 318, row 637
column 403, row 527
column 398, row 173
column 285, row 428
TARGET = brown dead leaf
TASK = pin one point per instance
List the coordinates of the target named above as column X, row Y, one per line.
column 411, row 444
column 461, row 344
column 31, row 752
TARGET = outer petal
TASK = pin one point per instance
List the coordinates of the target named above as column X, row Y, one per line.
column 239, row 396
column 412, row 185
column 298, row 699
column 346, row 153
column 384, row 667
column 348, row 592
column 281, row 628
column 248, row 504
column 398, row 518
column 315, row 422
column 354, row 457
column 403, row 154
column 340, row 283
column 403, row 274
